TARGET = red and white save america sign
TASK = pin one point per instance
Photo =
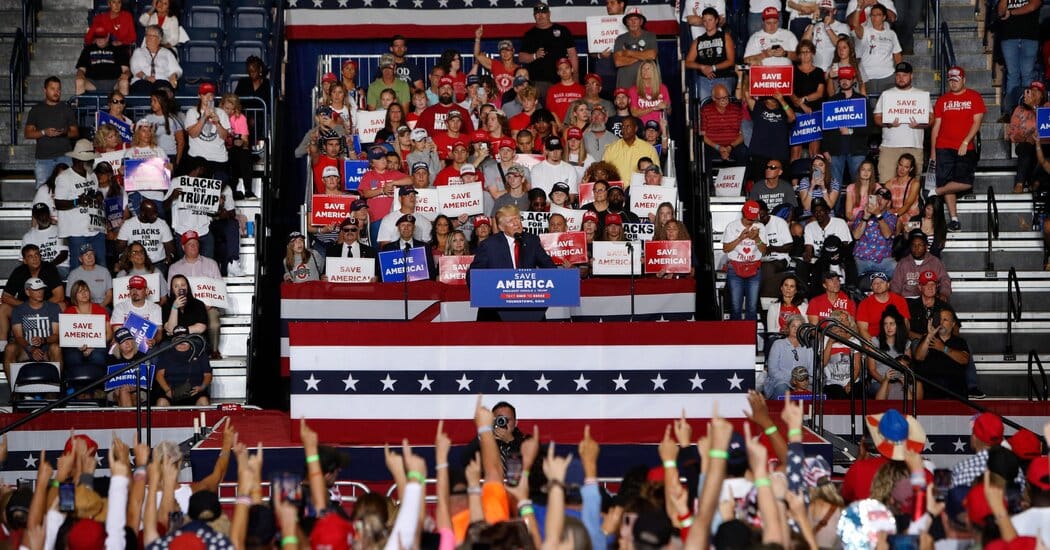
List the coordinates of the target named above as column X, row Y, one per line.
column 571, row 245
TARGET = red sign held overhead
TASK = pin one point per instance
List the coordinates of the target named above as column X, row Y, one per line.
column 767, row 81
column 668, row 257
column 327, row 209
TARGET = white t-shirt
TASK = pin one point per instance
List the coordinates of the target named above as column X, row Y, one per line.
column 825, row 52
column 876, row 51
column 81, row 220
column 851, row 7
column 1033, row 522
column 43, row 194
column 756, row 6
column 150, row 311
column 151, row 235
column 779, row 234
column 388, row 228
column 747, row 249
column 762, row 40
column 697, row 7
column 208, row 145
column 903, row 135
column 795, row 14
column 545, row 175
column 51, row 245
column 814, row 235
column 184, row 219
column 165, row 137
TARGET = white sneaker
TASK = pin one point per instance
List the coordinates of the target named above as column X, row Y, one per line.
column 234, row 269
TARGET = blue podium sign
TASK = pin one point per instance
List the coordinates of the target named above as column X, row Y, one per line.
column 144, row 376
column 507, row 288
column 1042, row 122
column 393, row 264
column 845, row 113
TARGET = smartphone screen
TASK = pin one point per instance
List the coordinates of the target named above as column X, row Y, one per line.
column 942, row 483
column 288, row 486
column 26, row 484
column 67, row 497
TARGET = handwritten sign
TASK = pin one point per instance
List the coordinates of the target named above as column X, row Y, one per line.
column 146, row 174
column 123, row 128
column 645, row 199
column 75, row 330
column 767, row 81
column 199, row 195
column 142, row 329
column 369, row 123
column 730, row 181
column 807, row 128
column 571, row 245
column 327, row 209
column 602, row 31
column 394, row 263
column 903, row 106
column 460, row 199
column 614, row 258
column 353, row 171
column 639, row 231
column 350, row 270
column 452, row 270
column 668, row 257
column 573, row 218
column 142, row 376
column 120, row 288
column 210, row 291
column 428, row 204
column 845, row 113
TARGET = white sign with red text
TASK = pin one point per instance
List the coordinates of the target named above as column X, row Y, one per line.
column 427, row 203
column 121, row 293
column 602, row 31
column 573, row 218
column 730, row 181
column 350, row 270
column 645, row 199
column 571, row 245
column 614, row 257
column 210, row 291
column 452, row 270
column 369, row 123
column 461, row 199
column 76, row 331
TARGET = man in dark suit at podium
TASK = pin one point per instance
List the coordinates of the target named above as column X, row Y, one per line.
column 511, row 249
column 406, row 226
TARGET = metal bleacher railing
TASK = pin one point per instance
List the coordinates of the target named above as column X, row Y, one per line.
column 18, row 70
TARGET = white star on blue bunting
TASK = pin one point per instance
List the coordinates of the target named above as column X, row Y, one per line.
column 698, row 383
column 311, row 383
column 542, row 383
column 658, row 382
column 581, row 383
column 621, row 382
column 735, row 381
column 425, row 383
column 350, row 382
column 464, row 382
column 388, row 383
column 504, row 382
column 960, row 445
column 30, row 462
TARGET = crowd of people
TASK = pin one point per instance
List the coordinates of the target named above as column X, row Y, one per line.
column 528, row 124
column 752, row 486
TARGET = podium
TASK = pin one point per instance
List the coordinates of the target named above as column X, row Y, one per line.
column 522, row 294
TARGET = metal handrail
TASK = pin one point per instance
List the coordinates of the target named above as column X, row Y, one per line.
column 1034, row 360
column 30, row 10
column 933, row 19
column 196, row 341
column 944, row 57
column 18, row 71
column 991, row 218
column 809, row 332
column 703, row 231
column 1014, row 308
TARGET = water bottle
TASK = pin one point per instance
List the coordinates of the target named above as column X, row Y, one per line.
column 251, row 228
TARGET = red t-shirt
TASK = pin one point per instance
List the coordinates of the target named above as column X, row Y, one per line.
column 821, row 307
column 459, row 85
column 560, row 97
column 121, row 29
column 448, row 175
column 857, row 483
column 786, row 310
column 95, row 310
column 503, row 77
column 956, row 112
column 870, row 311
column 324, row 161
column 520, row 121
column 380, row 205
column 444, row 142
column 433, row 118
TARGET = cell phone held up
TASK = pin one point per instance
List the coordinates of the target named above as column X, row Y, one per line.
column 288, row 486
column 67, row 497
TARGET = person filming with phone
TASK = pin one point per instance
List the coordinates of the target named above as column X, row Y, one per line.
column 508, row 439
column 943, row 355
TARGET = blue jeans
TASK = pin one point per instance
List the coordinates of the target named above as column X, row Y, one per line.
column 754, row 24
column 864, row 267
column 98, row 241
column 1019, row 55
column 43, row 168
column 74, row 357
column 839, row 164
column 739, row 289
column 703, row 85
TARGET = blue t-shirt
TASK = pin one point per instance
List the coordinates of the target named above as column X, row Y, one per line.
column 35, row 322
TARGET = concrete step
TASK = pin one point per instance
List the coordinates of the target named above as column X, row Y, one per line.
column 12, row 5
column 19, row 158
column 64, row 20
column 962, row 42
column 959, row 15
column 1029, row 257
column 1015, row 213
column 990, row 299
column 1001, row 180
column 995, row 149
column 989, row 337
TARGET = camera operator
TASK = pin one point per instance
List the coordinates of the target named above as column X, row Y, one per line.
column 508, row 437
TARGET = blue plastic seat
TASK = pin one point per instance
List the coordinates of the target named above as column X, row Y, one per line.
column 238, row 52
column 203, row 17
column 199, row 52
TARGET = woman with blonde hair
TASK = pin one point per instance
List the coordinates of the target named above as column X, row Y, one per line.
column 649, row 98
column 456, row 244
column 144, row 147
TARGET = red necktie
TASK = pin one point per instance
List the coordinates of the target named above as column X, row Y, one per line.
column 517, row 254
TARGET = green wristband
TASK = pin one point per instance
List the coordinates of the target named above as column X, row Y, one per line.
column 526, row 511
column 290, row 539
column 718, row 453
column 771, row 430
column 670, row 464
column 416, row 476
column 762, row 482
column 794, row 431
column 312, row 458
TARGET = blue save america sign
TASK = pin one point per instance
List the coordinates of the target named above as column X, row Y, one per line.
column 143, row 376
column 807, row 128
column 502, row 288
column 1042, row 122
column 394, row 263
column 846, row 113
column 353, row 170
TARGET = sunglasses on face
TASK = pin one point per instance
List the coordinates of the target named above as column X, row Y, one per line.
column 772, row 167
column 117, row 101
column 349, row 230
